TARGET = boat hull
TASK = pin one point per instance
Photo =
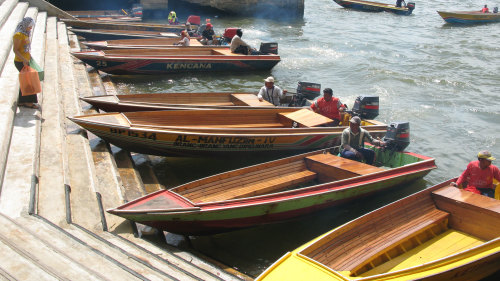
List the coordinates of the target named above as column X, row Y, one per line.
column 96, row 24
column 472, row 17
column 367, row 6
column 176, row 64
column 93, row 35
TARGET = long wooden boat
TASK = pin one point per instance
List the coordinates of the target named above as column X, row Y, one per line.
column 469, row 17
column 146, row 43
column 174, row 60
column 106, row 15
column 271, row 192
column 219, row 132
column 368, row 6
column 440, row 233
column 111, row 34
column 176, row 101
column 142, row 26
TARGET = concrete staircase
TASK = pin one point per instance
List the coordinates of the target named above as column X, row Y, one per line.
column 56, row 180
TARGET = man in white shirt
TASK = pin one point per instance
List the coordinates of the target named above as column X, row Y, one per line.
column 238, row 46
column 271, row 93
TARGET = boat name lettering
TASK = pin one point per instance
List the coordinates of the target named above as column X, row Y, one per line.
column 189, row 65
column 225, row 142
column 144, row 135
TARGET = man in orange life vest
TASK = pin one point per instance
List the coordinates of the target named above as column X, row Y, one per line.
column 485, row 9
column 479, row 175
column 329, row 106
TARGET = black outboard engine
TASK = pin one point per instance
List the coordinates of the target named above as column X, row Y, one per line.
column 410, row 6
column 366, row 107
column 397, row 137
column 269, row 48
column 305, row 91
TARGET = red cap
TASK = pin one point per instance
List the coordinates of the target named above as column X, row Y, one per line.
column 209, row 25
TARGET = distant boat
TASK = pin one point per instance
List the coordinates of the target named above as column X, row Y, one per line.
column 174, row 60
column 469, row 17
column 114, row 25
column 368, row 6
column 156, row 43
column 111, row 34
column 440, row 233
column 272, row 192
column 219, row 132
column 176, row 101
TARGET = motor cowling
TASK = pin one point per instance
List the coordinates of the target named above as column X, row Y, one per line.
column 397, row 137
column 366, row 107
column 410, row 5
column 194, row 20
column 269, row 48
column 309, row 90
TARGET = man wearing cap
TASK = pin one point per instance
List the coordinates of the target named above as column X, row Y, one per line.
column 208, row 35
column 353, row 139
column 271, row 93
column 479, row 175
column 328, row 106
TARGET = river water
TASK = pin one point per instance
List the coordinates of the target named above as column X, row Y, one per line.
column 443, row 79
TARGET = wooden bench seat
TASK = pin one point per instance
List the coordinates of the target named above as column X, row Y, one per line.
column 249, row 100
column 332, row 167
column 304, row 118
column 255, row 183
column 381, row 238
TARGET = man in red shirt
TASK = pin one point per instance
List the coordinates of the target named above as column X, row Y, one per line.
column 485, row 9
column 329, row 106
column 479, row 175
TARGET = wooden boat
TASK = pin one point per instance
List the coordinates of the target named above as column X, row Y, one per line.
column 106, row 15
column 271, row 192
column 174, row 60
column 469, row 17
column 176, row 101
column 440, row 233
column 219, row 132
column 368, row 6
column 146, row 43
column 114, row 25
column 111, row 34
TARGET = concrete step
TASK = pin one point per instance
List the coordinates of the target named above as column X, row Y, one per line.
column 7, row 31
column 49, row 251
column 22, row 162
column 6, row 8
column 51, row 189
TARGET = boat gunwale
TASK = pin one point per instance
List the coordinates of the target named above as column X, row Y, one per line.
column 376, row 4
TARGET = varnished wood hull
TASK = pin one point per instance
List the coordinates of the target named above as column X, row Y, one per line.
column 175, row 60
column 157, row 43
column 175, row 211
column 176, row 101
column 462, row 245
column 368, row 6
column 110, row 34
column 99, row 24
column 469, row 17
column 215, row 132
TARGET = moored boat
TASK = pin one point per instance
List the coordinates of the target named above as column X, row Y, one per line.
column 440, row 233
column 176, row 101
column 114, row 25
column 174, row 60
column 368, row 6
column 219, row 132
column 272, row 192
column 469, row 17
column 111, row 34
column 146, row 43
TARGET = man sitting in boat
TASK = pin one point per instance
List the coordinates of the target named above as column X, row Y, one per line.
column 485, row 9
column 479, row 175
column 329, row 106
column 399, row 2
column 238, row 46
column 185, row 40
column 271, row 93
column 353, row 139
column 172, row 18
column 208, row 35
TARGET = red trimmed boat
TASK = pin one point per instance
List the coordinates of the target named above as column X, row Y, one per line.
column 174, row 60
column 112, row 34
column 271, row 192
column 146, row 43
column 469, row 17
column 368, row 6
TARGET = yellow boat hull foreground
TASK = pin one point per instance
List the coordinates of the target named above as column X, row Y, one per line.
column 441, row 233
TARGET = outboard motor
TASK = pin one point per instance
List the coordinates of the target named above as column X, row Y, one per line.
column 269, row 48
column 397, row 137
column 194, row 20
column 366, row 107
column 305, row 91
column 410, row 6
